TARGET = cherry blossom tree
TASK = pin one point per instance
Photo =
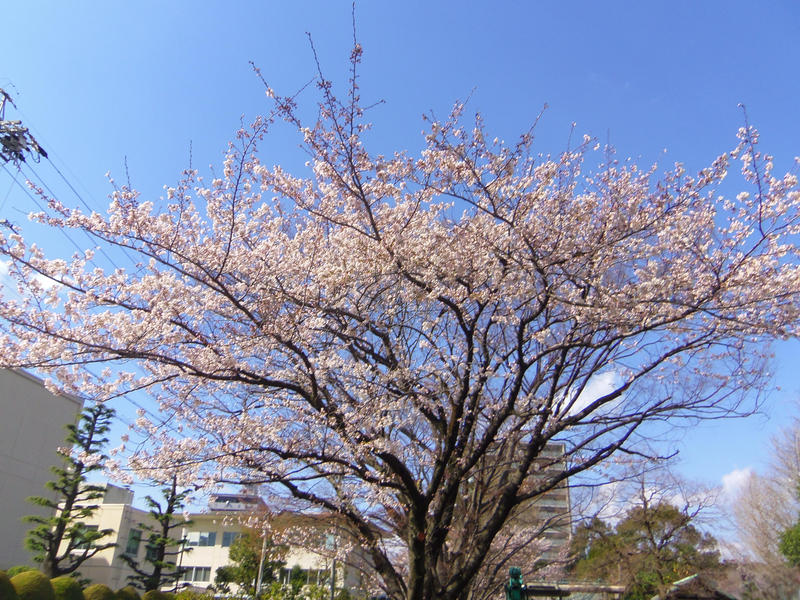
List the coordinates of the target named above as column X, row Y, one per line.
column 370, row 335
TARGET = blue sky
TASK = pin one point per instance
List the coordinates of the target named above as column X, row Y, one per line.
column 105, row 83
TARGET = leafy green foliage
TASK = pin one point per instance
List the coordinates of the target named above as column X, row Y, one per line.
column 33, row 585
column 295, row 590
column 649, row 549
column 163, row 546
column 62, row 542
column 16, row 570
column 790, row 544
column 67, row 588
column 7, row 591
column 244, row 555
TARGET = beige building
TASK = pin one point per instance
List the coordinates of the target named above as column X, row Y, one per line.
column 32, row 422
column 208, row 539
column 116, row 513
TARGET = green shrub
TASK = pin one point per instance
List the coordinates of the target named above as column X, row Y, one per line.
column 128, row 593
column 157, row 595
column 99, row 591
column 18, row 569
column 67, row 588
column 7, row 591
column 190, row 594
column 33, row 585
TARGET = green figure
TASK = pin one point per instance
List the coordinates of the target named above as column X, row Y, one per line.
column 515, row 589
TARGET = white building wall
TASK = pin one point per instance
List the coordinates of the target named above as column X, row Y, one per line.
column 210, row 556
column 32, row 424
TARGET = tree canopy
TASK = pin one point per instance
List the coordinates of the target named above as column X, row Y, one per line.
column 651, row 547
column 371, row 335
column 766, row 514
column 244, row 556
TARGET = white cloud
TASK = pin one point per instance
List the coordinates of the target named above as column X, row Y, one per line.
column 599, row 385
column 8, row 286
column 733, row 482
column 45, row 282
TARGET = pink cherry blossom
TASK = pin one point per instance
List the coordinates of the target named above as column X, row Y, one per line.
column 373, row 336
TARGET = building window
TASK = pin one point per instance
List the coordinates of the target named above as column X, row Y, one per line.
column 151, row 550
column 84, row 545
column 201, row 538
column 201, row 574
column 228, row 537
column 304, row 576
column 134, row 537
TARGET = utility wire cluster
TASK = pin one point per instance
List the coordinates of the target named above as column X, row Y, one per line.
column 15, row 140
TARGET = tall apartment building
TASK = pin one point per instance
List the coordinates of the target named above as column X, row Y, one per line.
column 551, row 513
column 32, row 422
column 537, row 533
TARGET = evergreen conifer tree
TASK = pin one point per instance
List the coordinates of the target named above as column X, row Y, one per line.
column 63, row 541
column 163, row 546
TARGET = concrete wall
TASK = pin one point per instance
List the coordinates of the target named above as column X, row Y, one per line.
column 32, row 424
column 106, row 566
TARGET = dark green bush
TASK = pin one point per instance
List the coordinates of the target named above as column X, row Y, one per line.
column 18, row 569
column 99, row 591
column 128, row 593
column 67, row 588
column 7, row 591
column 33, row 585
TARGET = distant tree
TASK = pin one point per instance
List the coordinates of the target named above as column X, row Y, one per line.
column 650, row 548
column 63, row 542
column 244, row 554
column 790, row 545
column 766, row 515
column 789, row 542
column 163, row 546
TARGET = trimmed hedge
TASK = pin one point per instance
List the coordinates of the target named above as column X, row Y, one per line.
column 99, row 591
column 33, row 585
column 18, row 569
column 7, row 591
column 158, row 595
column 67, row 588
column 190, row 594
column 128, row 593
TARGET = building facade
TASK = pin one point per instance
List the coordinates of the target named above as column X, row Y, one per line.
column 32, row 422
column 208, row 537
column 116, row 513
